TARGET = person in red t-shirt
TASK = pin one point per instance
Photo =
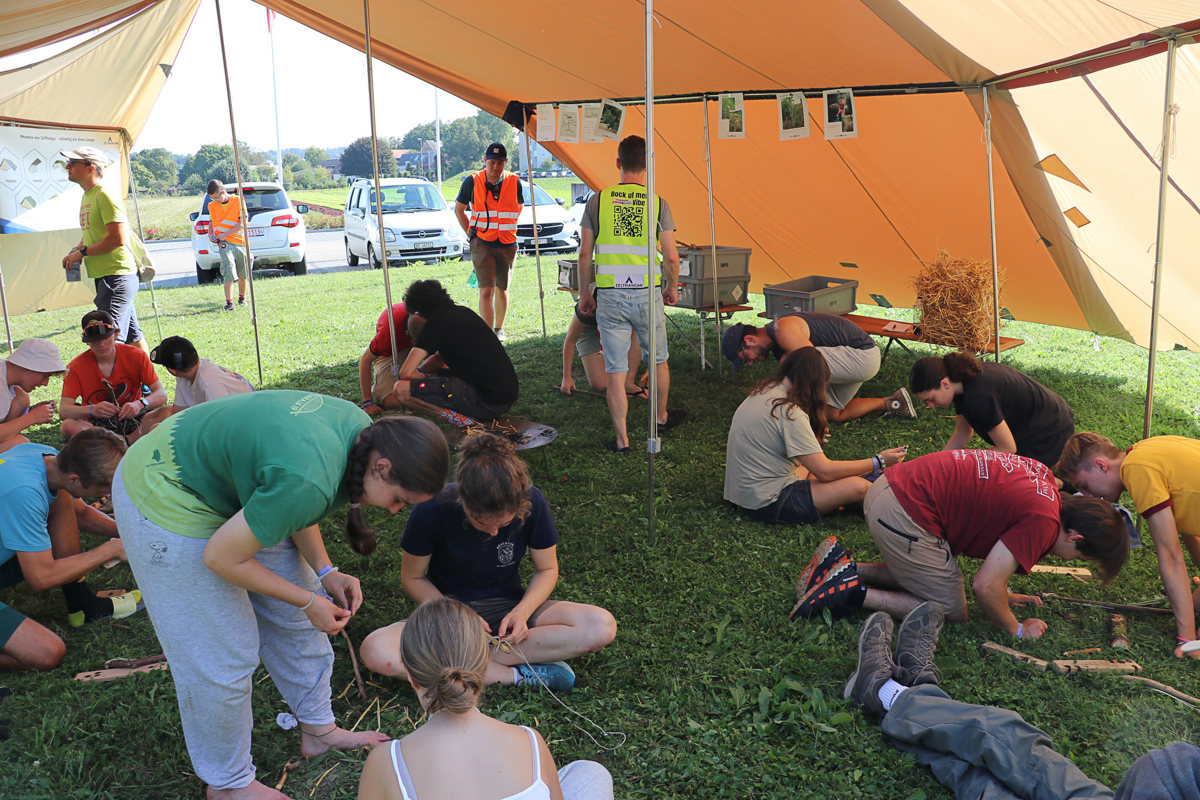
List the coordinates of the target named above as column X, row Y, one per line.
column 103, row 386
column 999, row 507
column 375, row 377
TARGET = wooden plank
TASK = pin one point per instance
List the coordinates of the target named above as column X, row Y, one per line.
column 1079, row 572
column 877, row 326
column 1034, row 661
column 1067, row 666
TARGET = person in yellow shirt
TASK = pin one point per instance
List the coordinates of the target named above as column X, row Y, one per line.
column 225, row 212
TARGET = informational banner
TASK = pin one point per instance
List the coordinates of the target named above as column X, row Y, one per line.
column 568, row 124
column 35, row 194
column 545, row 122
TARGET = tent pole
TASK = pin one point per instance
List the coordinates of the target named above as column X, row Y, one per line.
column 1163, row 182
column 237, row 173
column 137, row 212
column 4, row 304
column 537, row 250
column 712, row 243
column 651, row 262
column 387, row 281
column 987, row 143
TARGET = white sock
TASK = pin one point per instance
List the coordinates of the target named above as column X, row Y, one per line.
column 889, row 692
column 516, row 676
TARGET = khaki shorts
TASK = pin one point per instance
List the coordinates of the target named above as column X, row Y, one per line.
column 919, row 561
column 382, row 379
column 233, row 262
column 492, row 263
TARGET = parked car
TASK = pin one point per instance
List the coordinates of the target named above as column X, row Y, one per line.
column 557, row 230
column 276, row 232
column 418, row 225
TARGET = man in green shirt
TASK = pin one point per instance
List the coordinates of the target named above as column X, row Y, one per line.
column 104, row 245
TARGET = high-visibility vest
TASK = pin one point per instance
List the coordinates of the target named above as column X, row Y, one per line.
column 226, row 217
column 495, row 220
column 622, row 241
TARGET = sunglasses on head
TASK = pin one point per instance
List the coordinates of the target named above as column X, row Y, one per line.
column 99, row 323
column 71, row 161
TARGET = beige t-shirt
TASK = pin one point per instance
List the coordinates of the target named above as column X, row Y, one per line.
column 761, row 444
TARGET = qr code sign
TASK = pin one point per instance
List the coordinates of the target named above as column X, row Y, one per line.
column 628, row 221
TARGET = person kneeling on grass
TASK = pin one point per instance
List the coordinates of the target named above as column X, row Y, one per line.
column 467, row 543
column 40, row 519
column 1002, row 508
column 197, row 380
column 775, row 463
column 446, row 655
column 984, row 751
column 583, row 336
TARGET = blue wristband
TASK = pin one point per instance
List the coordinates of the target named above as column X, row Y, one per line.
column 321, row 573
column 1020, row 631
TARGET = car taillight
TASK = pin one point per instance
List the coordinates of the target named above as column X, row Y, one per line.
column 203, row 226
column 286, row 221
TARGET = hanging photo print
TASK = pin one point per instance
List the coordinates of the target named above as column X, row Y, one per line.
column 545, row 122
column 840, row 114
column 732, row 124
column 793, row 116
column 612, row 118
column 589, row 123
column 568, row 124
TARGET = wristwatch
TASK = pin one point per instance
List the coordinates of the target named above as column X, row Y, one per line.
column 145, row 403
column 83, row 250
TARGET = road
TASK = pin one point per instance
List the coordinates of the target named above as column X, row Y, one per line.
column 175, row 266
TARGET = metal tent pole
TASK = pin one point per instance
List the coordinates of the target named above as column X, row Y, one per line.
column 987, row 139
column 387, row 282
column 712, row 243
column 237, row 170
column 4, row 304
column 1163, row 182
column 137, row 212
column 652, row 444
column 537, row 250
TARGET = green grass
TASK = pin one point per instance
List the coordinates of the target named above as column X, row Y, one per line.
column 718, row 694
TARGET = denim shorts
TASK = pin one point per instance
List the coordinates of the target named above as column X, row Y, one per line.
column 114, row 294
column 620, row 312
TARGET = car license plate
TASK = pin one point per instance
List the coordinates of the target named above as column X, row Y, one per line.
column 256, row 231
column 545, row 241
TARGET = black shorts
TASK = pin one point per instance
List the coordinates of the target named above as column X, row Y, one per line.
column 794, row 505
column 457, row 395
column 494, row 609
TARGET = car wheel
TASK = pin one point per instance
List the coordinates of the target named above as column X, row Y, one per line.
column 300, row 267
column 371, row 258
column 204, row 276
column 351, row 259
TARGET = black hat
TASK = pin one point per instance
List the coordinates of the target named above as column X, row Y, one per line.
column 175, row 352
column 97, row 326
column 495, row 150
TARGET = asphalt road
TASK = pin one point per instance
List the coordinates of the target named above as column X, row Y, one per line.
column 175, row 266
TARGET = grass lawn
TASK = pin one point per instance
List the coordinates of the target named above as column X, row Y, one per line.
column 715, row 692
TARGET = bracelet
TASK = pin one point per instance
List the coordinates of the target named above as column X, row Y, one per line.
column 312, row 596
column 323, row 571
column 366, row 403
column 1182, row 640
column 882, row 464
column 1020, row 631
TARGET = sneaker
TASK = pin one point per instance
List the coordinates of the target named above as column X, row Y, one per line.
column 611, row 446
column 875, row 666
column 123, row 605
column 500, row 334
column 555, row 676
column 674, row 419
column 900, row 403
column 915, row 645
column 834, row 592
column 229, row 305
column 827, row 554
column 241, row 301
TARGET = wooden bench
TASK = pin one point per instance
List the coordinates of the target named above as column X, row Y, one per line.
column 901, row 332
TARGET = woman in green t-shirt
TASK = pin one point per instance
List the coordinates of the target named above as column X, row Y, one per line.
column 218, row 509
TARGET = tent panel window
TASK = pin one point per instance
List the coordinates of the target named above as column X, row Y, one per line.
column 1055, row 166
column 1076, row 216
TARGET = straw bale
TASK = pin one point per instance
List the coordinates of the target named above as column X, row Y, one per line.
column 954, row 301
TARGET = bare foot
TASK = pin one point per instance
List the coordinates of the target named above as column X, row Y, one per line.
column 255, row 791
column 335, row 738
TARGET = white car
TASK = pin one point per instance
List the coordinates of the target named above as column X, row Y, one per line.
column 276, row 227
column 418, row 225
column 557, row 230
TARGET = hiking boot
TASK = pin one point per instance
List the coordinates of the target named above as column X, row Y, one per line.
column 827, row 554
column 229, row 305
column 837, row 591
column 900, row 403
column 915, row 644
column 875, row 664
column 555, row 676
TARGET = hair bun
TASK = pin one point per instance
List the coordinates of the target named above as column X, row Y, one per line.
column 458, row 689
column 478, row 444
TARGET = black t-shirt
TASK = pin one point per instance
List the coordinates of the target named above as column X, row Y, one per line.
column 471, row 352
column 1040, row 420
column 589, row 320
column 826, row 330
column 466, row 563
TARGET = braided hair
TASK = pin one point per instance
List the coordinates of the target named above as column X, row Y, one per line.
column 420, row 461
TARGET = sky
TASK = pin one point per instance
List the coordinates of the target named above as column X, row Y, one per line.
column 322, row 87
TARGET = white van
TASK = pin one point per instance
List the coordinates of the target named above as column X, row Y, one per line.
column 557, row 229
column 418, row 226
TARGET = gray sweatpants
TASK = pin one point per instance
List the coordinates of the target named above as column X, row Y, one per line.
column 585, row 780
column 984, row 752
column 214, row 633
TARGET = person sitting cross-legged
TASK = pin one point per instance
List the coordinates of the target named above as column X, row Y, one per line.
column 468, row 543
column 27, row 367
column 984, row 751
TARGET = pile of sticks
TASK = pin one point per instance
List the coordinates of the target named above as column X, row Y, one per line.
column 954, row 301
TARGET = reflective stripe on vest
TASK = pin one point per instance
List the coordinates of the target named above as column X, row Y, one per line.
column 622, row 242
column 495, row 220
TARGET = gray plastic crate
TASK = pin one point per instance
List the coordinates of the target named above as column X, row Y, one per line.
column 697, row 262
column 568, row 273
column 811, row 293
column 698, row 293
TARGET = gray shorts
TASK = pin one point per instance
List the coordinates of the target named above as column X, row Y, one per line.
column 233, row 262
column 588, row 342
column 494, row 609
column 849, row 369
column 919, row 561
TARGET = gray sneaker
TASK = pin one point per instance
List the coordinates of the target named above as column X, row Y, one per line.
column 901, row 404
column 915, row 644
column 875, row 666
